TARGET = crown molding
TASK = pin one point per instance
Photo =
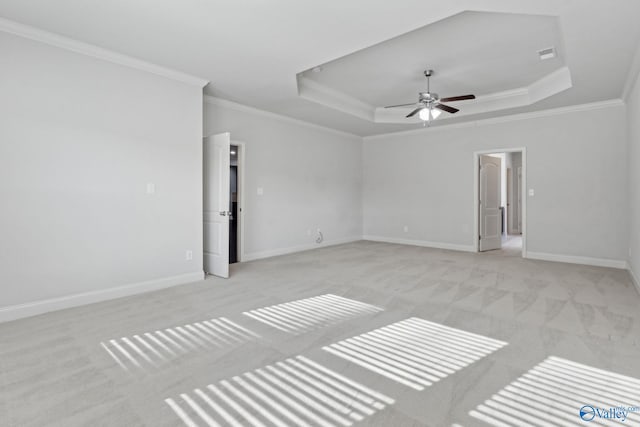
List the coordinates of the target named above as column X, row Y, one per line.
column 551, row 84
column 612, row 103
column 212, row 100
column 87, row 49
column 324, row 95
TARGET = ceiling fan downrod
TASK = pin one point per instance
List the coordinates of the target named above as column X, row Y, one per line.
column 427, row 74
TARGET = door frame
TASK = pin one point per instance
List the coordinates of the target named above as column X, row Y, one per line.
column 217, row 265
column 241, row 187
column 509, row 219
column 521, row 196
column 476, row 194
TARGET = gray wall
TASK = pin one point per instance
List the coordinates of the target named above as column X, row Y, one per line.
column 311, row 177
column 79, row 140
column 576, row 165
column 633, row 120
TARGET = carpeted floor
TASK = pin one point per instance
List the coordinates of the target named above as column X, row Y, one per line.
column 363, row 333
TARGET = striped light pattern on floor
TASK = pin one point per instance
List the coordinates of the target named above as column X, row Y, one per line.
column 296, row 392
column 153, row 349
column 559, row 392
column 415, row 352
column 297, row 317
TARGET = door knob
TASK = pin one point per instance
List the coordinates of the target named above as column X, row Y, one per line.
column 223, row 213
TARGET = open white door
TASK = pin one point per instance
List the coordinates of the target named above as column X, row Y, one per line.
column 490, row 191
column 216, row 204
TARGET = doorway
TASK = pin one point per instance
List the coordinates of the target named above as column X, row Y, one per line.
column 233, row 200
column 499, row 202
column 223, row 167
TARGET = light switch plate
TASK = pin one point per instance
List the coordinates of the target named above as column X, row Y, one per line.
column 260, row 191
column 151, row 188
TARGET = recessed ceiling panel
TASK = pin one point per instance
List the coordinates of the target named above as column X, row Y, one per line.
column 471, row 52
column 254, row 58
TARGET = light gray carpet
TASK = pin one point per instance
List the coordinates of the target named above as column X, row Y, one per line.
column 364, row 333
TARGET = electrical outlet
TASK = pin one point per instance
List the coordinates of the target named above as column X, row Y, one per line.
column 188, row 255
column 406, row 228
column 531, row 192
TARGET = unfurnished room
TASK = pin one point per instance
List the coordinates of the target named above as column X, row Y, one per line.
column 304, row 213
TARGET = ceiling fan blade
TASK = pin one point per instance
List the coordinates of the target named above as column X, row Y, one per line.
column 446, row 108
column 458, row 98
column 414, row 112
column 401, row 105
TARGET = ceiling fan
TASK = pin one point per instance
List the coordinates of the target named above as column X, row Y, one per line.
column 429, row 104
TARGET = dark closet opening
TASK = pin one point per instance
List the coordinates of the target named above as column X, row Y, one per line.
column 233, row 221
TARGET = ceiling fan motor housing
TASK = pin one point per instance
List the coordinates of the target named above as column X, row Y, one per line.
column 428, row 97
column 431, row 101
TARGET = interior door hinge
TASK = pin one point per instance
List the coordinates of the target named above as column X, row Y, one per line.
column 479, row 237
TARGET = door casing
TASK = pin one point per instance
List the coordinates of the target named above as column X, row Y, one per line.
column 241, row 187
column 476, row 194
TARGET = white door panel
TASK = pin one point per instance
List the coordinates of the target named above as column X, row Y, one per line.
column 490, row 191
column 216, row 204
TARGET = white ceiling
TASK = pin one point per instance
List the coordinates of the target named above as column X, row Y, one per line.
column 252, row 50
column 472, row 52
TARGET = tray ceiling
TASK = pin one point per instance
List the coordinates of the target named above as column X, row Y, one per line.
column 255, row 52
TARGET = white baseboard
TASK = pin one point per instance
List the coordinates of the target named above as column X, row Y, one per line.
column 44, row 306
column 423, row 243
column 634, row 278
column 596, row 262
column 284, row 251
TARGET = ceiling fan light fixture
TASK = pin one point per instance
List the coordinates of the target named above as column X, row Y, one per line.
column 429, row 104
column 427, row 114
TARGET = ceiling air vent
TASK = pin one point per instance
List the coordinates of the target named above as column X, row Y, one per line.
column 547, row 53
